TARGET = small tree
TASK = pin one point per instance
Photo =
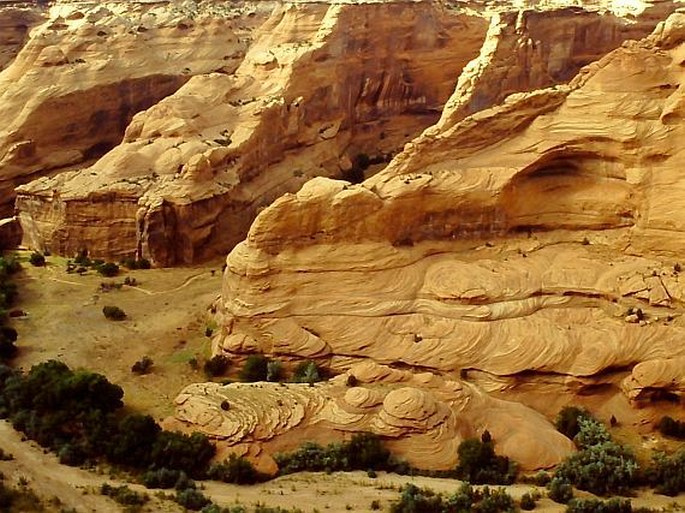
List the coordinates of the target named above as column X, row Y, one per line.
column 479, row 464
column 255, row 368
column 113, row 313
column 108, row 269
column 37, row 259
column 142, row 366
column 216, row 365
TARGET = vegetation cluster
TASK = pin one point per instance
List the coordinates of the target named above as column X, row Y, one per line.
column 78, row 414
column 9, row 266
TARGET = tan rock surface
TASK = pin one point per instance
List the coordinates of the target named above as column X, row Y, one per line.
column 15, row 24
column 321, row 85
column 539, row 236
column 421, row 417
column 82, row 74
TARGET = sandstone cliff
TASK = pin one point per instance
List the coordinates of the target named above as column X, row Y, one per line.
column 517, row 239
column 535, row 242
column 323, row 87
column 82, row 74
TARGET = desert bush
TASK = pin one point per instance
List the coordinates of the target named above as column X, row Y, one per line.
column 124, row 495
column 274, row 371
column 192, row 499
column 567, row 421
column 364, row 451
column 142, row 366
column 8, row 349
column 255, row 368
column 190, row 453
column 236, row 469
column 591, row 505
column 466, row 499
column 77, row 414
column 108, row 269
column 560, row 491
column 601, row 466
column 671, row 427
column 165, row 478
column 37, row 259
column 527, row 502
column 307, row 372
column 133, row 264
column 591, row 432
column 131, row 440
column 216, row 366
column 113, row 313
column 479, row 464
column 667, row 473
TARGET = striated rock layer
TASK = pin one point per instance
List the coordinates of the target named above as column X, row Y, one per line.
column 428, row 259
column 322, row 87
column 540, row 237
column 80, row 77
column 421, row 417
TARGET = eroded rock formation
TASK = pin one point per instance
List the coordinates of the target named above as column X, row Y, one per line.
column 538, row 237
column 322, row 87
column 421, row 416
column 15, row 23
column 81, row 76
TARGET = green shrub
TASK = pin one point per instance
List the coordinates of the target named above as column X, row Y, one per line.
column 131, row 440
column 667, row 473
column 591, row 505
column 133, row 264
column 274, row 371
column 108, row 269
column 113, row 313
column 165, row 478
column 192, row 499
column 37, row 259
column 216, row 366
column 466, row 499
column 671, row 427
column 364, row 451
column 591, row 432
column 567, row 421
column 307, row 372
column 255, row 368
column 560, row 491
column 124, row 495
column 190, row 453
column 479, row 464
column 602, row 466
column 142, row 366
column 527, row 502
column 236, row 469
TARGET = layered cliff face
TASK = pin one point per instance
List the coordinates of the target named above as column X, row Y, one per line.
column 321, row 85
column 515, row 240
column 530, row 250
column 322, row 88
column 80, row 77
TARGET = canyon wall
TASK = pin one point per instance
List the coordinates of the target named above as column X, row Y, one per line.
column 323, row 90
column 529, row 252
column 79, row 78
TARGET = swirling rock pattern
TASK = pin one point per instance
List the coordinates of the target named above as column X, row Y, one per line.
column 421, row 417
column 426, row 259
